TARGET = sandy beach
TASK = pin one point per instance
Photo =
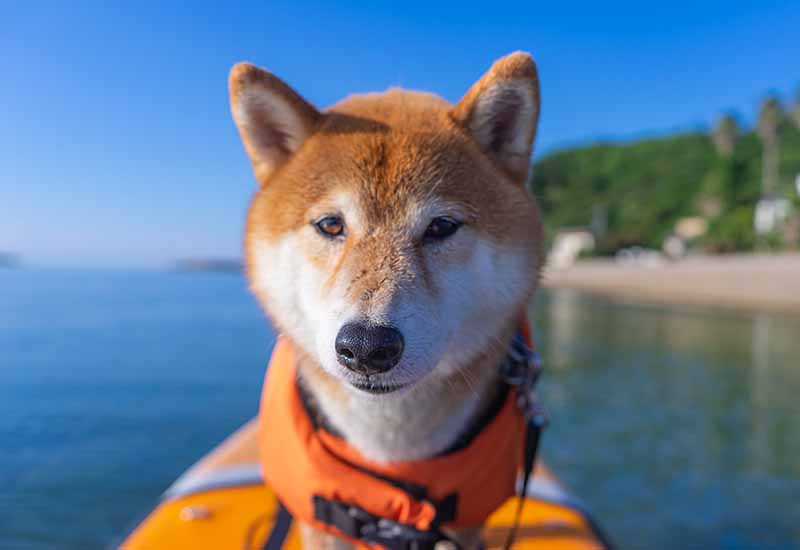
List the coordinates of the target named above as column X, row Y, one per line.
column 753, row 281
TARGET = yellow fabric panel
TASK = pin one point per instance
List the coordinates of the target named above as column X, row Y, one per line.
column 292, row 541
column 543, row 526
column 241, row 518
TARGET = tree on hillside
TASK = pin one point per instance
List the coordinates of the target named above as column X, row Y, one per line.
column 719, row 177
column 769, row 119
column 796, row 109
column 725, row 134
column 643, row 188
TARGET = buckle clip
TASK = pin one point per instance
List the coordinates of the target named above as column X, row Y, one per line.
column 521, row 369
column 397, row 536
column 357, row 523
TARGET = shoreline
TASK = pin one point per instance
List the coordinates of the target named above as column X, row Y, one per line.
column 752, row 282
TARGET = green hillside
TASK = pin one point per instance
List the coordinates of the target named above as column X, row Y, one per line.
column 633, row 193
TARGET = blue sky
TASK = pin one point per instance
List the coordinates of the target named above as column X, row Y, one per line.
column 117, row 149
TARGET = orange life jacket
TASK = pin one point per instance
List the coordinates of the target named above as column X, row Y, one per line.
column 323, row 481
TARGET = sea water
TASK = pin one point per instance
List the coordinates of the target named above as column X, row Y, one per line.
column 678, row 427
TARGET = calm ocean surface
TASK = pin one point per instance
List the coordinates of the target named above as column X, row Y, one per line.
column 680, row 428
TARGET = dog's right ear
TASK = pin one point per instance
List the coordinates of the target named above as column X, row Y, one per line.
column 501, row 112
column 273, row 119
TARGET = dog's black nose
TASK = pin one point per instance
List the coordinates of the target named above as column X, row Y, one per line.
column 368, row 349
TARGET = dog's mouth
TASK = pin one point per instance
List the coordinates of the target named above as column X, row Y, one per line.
column 376, row 388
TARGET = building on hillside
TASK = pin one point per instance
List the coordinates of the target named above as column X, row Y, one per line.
column 770, row 214
column 568, row 245
column 686, row 230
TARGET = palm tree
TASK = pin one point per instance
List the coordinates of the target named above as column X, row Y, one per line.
column 725, row 134
column 769, row 119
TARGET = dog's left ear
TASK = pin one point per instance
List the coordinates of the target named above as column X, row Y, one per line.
column 501, row 111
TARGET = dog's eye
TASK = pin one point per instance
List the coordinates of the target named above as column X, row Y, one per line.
column 441, row 228
column 330, row 226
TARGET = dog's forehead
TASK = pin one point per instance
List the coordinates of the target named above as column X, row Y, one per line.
column 397, row 170
column 389, row 156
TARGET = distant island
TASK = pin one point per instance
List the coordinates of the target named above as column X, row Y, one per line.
column 9, row 260
column 217, row 265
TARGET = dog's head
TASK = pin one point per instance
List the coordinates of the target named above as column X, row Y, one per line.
column 391, row 237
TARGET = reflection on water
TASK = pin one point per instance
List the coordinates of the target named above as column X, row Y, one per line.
column 679, row 427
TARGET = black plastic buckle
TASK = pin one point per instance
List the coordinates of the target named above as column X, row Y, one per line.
column 521, row 369
column 396, row 536
column 359, row 524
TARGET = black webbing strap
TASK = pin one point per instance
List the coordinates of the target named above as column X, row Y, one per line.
column 280, row 528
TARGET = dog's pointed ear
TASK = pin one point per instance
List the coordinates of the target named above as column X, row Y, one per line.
column 272, row 118
column 501, row 112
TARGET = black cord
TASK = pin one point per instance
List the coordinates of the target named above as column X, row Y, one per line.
column 533, row 433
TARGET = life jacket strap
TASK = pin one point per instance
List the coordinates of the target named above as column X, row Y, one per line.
column 521, row 370
column 357, row 523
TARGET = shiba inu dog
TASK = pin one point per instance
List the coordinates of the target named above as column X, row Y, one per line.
column 392, row 241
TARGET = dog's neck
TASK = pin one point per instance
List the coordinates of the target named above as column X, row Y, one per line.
column 419, row 423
